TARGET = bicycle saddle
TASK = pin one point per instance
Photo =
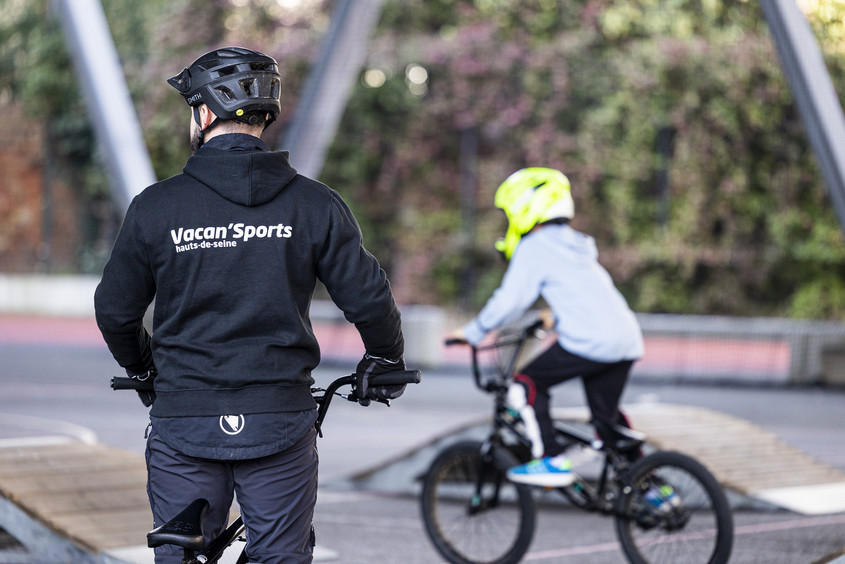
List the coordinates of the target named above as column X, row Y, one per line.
column 618, row 437
column 184, row 530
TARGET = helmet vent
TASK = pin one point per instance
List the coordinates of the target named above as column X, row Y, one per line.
column 249, row 87
column 205, row 65
column 262, row 66
column 226, row 92
column 226, row 71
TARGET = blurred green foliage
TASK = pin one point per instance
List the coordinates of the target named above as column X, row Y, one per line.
column 672, row 118
column 155, row 39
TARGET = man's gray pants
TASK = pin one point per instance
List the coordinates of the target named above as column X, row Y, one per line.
column 276, row 495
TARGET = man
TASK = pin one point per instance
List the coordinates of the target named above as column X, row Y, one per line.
column 231, row 250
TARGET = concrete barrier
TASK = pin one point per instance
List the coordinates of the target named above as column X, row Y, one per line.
column 423, row 327
column 754, row 350
column 678, row 347
column 73, row 296
column 64, row 296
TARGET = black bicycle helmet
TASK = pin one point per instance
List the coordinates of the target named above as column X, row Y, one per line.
column 235, row 83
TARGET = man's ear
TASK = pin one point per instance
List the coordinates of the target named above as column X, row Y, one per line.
column 206, row 116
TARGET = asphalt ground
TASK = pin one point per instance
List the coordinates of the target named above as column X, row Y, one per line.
column 61, row 390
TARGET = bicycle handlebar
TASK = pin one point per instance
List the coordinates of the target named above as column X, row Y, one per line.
column 397, row 377
column 388, row 379
column 519, row 340
column 126, row 383
column 527, row 331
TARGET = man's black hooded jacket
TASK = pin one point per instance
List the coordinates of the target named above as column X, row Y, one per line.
column 231, row 249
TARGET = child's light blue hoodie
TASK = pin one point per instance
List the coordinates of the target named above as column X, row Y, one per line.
column 592, row 319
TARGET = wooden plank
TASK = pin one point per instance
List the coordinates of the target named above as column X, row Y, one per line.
column 59, row 454
column 85, row 501
column 71, row 465
column 93, row 495
column 788, row 476
column 72, row 481
column 109, row 529
column 36, row 451
column 741, row 455
column 136, row 522
column 103, row 530
column 68, row 464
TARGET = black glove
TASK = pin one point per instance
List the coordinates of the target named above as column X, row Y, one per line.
column 372, row 366
column 147, row 396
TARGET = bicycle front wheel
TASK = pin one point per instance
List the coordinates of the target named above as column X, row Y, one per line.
column 675, row 511
column 472, row 513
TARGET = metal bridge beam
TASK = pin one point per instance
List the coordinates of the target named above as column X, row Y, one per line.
column 814, row 93
column 329, row 84
column 107, row 97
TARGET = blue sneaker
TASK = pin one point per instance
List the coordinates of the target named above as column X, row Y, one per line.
column 662, row 497
column 551, row 471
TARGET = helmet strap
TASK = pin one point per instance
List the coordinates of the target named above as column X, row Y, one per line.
column 202, row 131
column 556, row 221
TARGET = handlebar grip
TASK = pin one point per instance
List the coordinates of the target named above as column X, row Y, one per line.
column 397, row 377
column 452, row 342
column 124, row 383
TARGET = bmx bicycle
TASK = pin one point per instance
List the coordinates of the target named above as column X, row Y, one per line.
column 185, row 529
column 667, row 507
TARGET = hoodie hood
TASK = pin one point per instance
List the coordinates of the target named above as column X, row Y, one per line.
column 241, row 168
column 576, row 246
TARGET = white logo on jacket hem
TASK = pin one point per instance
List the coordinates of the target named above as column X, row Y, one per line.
column 232, row 424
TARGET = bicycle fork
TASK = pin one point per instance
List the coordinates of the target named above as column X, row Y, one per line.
column 485, row 473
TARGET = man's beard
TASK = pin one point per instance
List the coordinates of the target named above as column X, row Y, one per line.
column 196, row 143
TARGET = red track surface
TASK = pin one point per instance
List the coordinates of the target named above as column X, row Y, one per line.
column 664, row 355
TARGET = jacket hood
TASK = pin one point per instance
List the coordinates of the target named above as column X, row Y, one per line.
column 578, row 246
column 241, row 168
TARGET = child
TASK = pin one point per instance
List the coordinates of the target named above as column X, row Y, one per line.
column 598, row 335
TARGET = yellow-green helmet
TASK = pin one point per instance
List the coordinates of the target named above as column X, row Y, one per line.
column 531, row 196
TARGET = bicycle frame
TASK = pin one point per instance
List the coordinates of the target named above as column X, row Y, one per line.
column 215, row 549
column 614, row 478
column 504, row 423
column 504, row 427
column 236, row 528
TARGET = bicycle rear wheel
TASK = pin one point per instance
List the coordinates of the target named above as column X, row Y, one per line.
column 675, row 512
column 493, row 528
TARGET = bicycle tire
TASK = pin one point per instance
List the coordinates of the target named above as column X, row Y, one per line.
column 499, row 530
column 698, row 529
